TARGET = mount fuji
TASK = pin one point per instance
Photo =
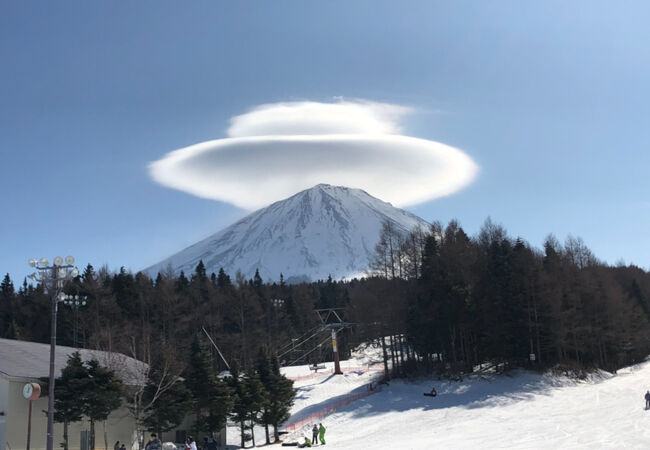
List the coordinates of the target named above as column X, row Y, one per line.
column 319, row 232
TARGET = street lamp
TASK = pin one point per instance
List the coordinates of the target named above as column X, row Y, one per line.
column 52, row 278
column 74, row 302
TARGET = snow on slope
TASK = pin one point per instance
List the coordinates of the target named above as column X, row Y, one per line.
column 322, row 231
column 522, row 411
column 316, row 391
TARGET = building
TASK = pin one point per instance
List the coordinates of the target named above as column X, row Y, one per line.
column 24, row 362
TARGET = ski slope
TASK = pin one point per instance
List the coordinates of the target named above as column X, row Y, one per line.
column 317, row 391
column 522, row 411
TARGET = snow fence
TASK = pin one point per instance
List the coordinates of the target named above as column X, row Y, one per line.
column 292, row 426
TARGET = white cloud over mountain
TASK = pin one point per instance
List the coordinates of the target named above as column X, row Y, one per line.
column 276, row 150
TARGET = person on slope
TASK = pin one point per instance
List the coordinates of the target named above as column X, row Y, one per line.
column 321, row 433
column 307, row 443
column 647, row 400
column 314, row 434
column 154, row 443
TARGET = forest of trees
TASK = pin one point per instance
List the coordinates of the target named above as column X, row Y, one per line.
column 435, row 299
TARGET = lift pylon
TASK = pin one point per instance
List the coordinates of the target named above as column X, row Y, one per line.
column 331, row 320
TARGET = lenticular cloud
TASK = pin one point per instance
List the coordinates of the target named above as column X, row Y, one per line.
column 276, row 150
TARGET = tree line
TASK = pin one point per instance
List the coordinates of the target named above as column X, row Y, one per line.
column 434, row 299
column 458, row 302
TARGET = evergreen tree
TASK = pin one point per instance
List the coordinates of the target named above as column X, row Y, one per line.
column 280, row 399
column 240, row 410
column 102, row 393
column 255, row 400
column 7, row 287
column 264, row 373
column 199, row 272
column 69, row 390
column 223, row 280
column 211, row 397
column 167, row 408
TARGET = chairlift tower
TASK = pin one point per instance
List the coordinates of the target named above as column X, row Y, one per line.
column 330, row 320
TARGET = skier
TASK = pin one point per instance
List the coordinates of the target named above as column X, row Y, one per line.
column 321, row 433
column 314, row 434
column 647, row 400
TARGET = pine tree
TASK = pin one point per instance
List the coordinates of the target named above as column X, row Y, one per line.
column 255, row 400
column 211, row 397
column 169, row 408
column 264, row 372
column 103, row 394
column 199, row 272
column 257, row 281
column 240, row 408
column 223, row 280
column 219, row 404
column 198, row 378
column 7, row 287
column 7, row 298
column 280, row 400
column 69, row 389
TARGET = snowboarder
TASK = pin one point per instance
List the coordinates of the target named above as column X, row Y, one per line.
column 314, row 434
column 647, row 400
column 321, row 433
column 307, row 443
column 433, row 393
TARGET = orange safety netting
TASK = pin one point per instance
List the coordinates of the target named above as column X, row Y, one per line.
column 290, row 427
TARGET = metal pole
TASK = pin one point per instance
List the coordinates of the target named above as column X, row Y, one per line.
column 74, row 325
column 50, row 397
column 29, row 424
column 335, row 352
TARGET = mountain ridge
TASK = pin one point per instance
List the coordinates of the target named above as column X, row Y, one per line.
column 319, row 232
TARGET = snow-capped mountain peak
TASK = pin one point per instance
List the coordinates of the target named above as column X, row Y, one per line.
column 322, row 231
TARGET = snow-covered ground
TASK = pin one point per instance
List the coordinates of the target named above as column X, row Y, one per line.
column 521, row 410
column 316, row 391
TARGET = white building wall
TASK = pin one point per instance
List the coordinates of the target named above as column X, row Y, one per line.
column 4, row 408
column 119, row 426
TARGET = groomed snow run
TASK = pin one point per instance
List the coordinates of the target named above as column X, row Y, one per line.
column 521, row 410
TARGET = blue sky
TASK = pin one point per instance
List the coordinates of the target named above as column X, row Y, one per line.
column 551, row 101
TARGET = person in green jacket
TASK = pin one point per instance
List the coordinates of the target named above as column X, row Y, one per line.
column 321, row 433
